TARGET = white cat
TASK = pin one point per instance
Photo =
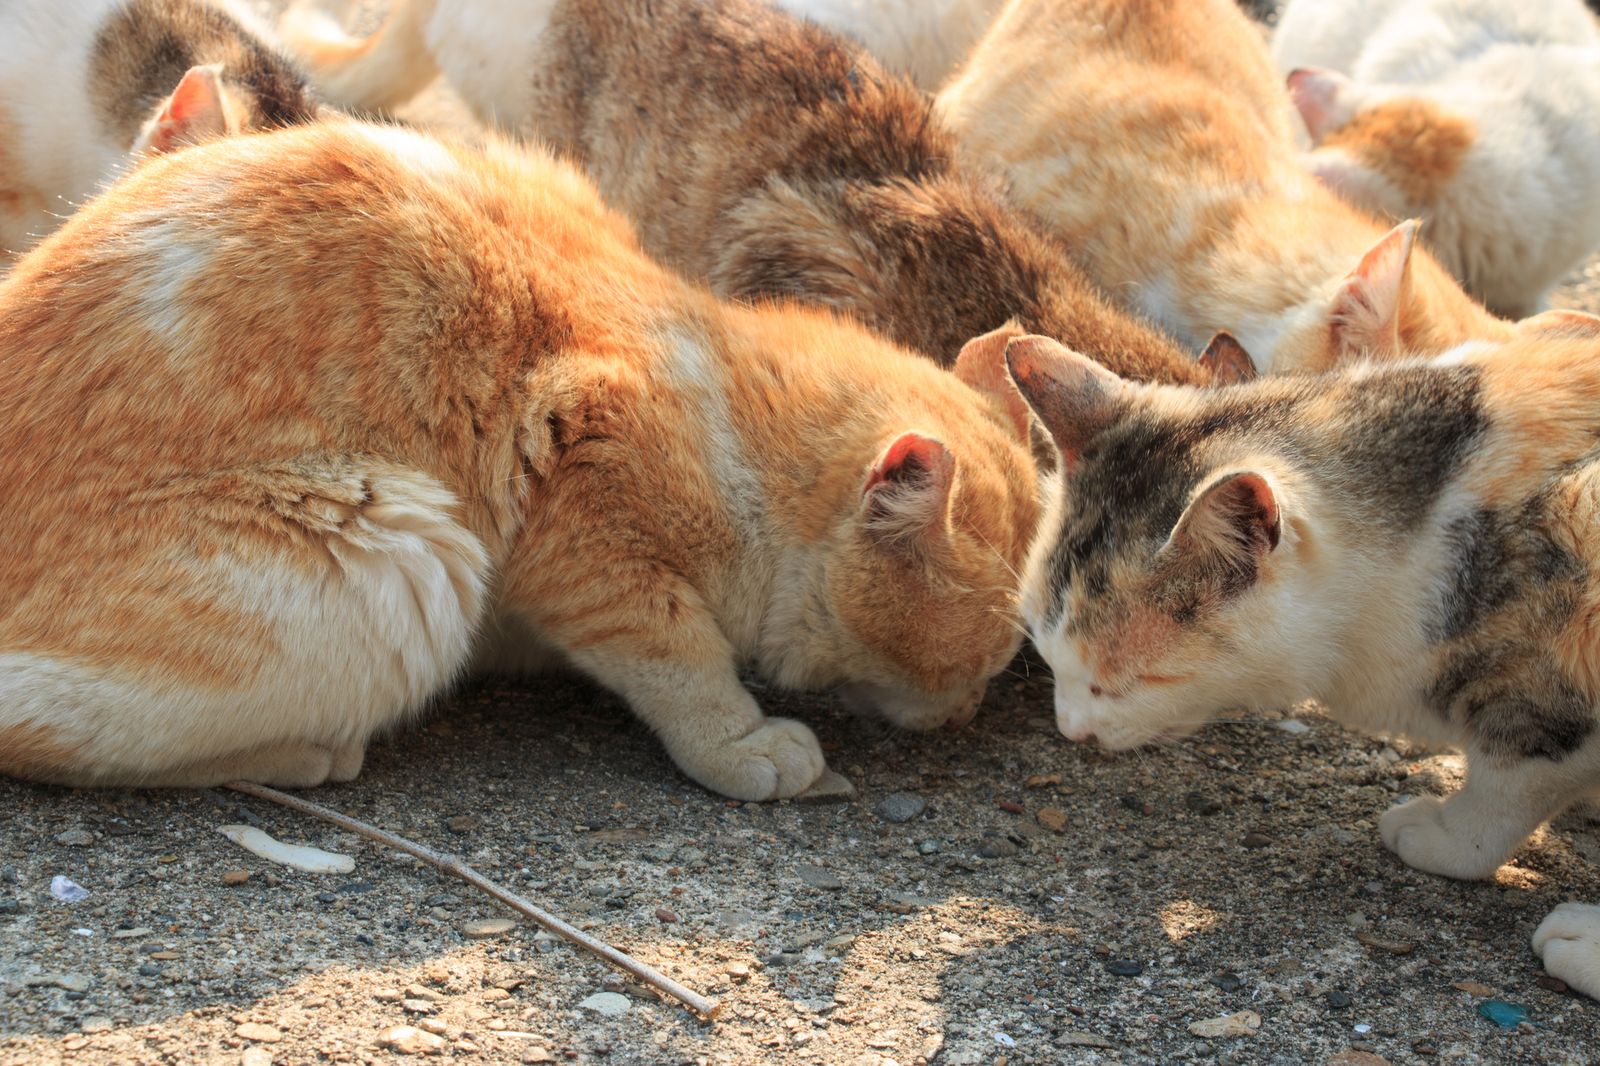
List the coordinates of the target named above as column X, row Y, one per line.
column 84, row 84
column 922, row 38
column 1480, row 116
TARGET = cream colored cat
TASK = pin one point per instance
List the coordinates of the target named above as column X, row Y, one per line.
column 85, row 84
column 287, row 419
column 1155, row 136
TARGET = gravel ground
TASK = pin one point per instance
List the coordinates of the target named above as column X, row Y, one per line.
column 997, row 896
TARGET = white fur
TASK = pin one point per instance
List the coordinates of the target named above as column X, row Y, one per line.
column 923, row 38
column 1522, row 211
column 1568, row 941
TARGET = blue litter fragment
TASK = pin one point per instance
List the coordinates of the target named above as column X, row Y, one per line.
column 1505, row 1015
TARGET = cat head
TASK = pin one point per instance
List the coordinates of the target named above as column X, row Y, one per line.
column 1179, row 557
column 920, row 576
column 1391, row 152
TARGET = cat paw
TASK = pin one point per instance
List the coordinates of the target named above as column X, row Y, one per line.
column 779, row 759
column 1417, row 832
column 1568, row 941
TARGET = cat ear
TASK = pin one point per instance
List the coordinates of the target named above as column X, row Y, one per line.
column 1227, row 360
column 1365, row 314
column 1234, row 518
column 982, row 366
column 1561, row 323
column 1074, row 396
column 907, row 493
column 1320, row 97
column 194, row 112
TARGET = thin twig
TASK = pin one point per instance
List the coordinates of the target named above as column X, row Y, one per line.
column 452, row 865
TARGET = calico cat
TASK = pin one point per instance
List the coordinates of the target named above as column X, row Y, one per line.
column 1413, row 543
column 923, row 39
column 86, row 84
column 1480, row 116
column 286, row 419
column 841, row 191
column 1156, row 138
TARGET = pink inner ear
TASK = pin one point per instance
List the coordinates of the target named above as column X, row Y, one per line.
column 1366, row 313
column 911, row 457
column 1316, row 96
column 982, row 366
column 197, row 95
column 1227, row 360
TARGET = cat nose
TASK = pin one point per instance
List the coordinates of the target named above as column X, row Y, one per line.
column 1096, row 690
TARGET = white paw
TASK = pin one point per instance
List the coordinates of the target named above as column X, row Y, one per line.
column 779, row 759
column 1568, row 940
column 1418, row 832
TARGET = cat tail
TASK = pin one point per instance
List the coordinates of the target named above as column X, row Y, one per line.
column 375, row 73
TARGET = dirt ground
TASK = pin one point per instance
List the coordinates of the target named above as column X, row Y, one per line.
column 994, row 896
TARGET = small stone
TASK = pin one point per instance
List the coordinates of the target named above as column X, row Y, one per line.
column 817, row 877
column 1200, row 803
column 423, row 992
column 837, row 944
column 1244, row 1023
column 75, row 1043
column 75, row 838
column 831, row 787
column 388, row 995
column 1287, row 968
column 419, row 1006
column 1474, row 988
column 739, row 971
column 487, row 928
column 1338, row 1000
column 1353, row 1057
column 1228, row 982
column 256, row 1031
column 1385, row 944
column 255, row 1056
column 236, row 877
column 537, row 1054
column 928, row 847
column 72, row 982
column 132, row 934
column 1011, row 807
column 433, row 1025
column 900, row 807
column 494, row 995
column 463, row 823
column 164, row 956
column 1125, row 967
column 1042, row 780
column 1052, row 818
column 149, row 969
column 1505, row 1015
column 997, row 847
column 1552, row 984
column 409, row 1040
column 1077, row 1039
column 606, row 1004
column 665, row 916
column 1254, row 840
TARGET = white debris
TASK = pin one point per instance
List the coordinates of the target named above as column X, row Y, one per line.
column 1293, row 725
column 67, row 890
column 297, row 856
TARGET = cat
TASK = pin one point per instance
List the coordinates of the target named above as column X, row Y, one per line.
column 1156, row 138
column 923, row 39
column 841, row 190
column 1411, row 542
column 287, row 418
column 1480, row 116
column 87, row 85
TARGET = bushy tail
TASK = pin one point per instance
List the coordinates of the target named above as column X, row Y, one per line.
column 372, row 74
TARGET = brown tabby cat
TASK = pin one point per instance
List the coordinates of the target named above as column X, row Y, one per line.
column 763, row 153
column 287, row 419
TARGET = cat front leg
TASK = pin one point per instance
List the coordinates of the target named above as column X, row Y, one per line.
column 1469, row 834
column 1568, row 941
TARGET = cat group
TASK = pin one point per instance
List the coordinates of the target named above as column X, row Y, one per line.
column 734, row 348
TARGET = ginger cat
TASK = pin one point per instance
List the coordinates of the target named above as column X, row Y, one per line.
column 840, row 191
column 1413, row 543
column 1480, row 116
column 85, row 84
column 1155, row 136
column 288, row 419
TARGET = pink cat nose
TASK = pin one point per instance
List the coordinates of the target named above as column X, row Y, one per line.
column 1096, row 690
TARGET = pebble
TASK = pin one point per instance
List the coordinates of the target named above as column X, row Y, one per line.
column 1125, row 967
column 1256, row 840
column 67, row 890
column 1078, row 1039
column 10, row 906
column 1353, row 1057
column 835, row 945
column 1052, row 818
column 1042, row 780
column 463, row 823
column 132, row 934
column 1338, row 1000
column 1244, row 1023
column 432, row 1025
column 817, row 877
column 537, row 1054
column 900, row 807
column 236, row 877
column 409, row 1040
column 928, row 847
column 149, row 969
column 665, row 916
column 487, row 928
column 75, row 838
column 494, row 995
column 1551, row 984
column 1011, row 806
column 1505, row 1015
column 606, row 1004
column 423, row 992
column 72, row 982
column 997, row 847
column 1200, row 803
column 739, row 971
column 1228, row 982
column 256, row 1031
column 831, row 787
column 418, row 1006
column 255, row 1056
column 1385, row 944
